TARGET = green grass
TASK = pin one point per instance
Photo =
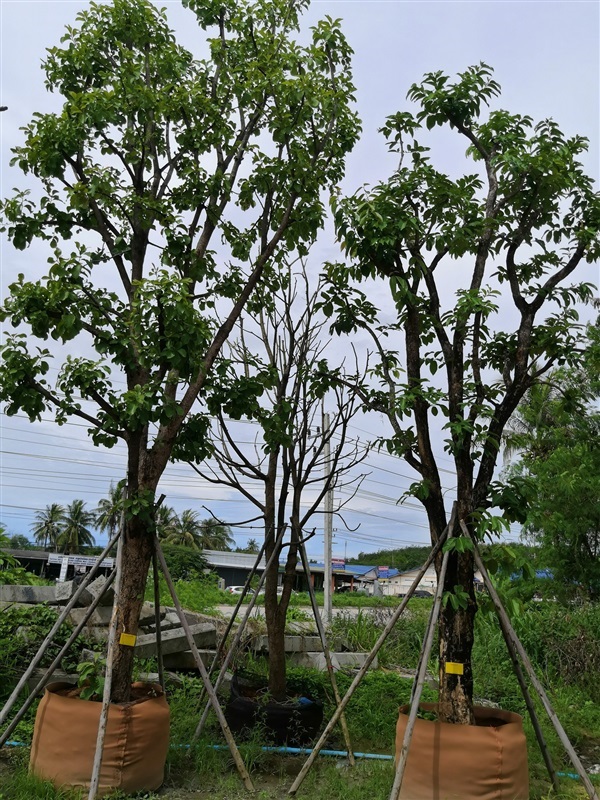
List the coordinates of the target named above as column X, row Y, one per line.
column 564, row 644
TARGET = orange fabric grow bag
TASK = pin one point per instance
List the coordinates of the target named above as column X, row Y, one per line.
column 135, row 746
column 487, row 761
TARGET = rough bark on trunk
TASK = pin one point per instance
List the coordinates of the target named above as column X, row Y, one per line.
column 456, row 643
column 138, row 545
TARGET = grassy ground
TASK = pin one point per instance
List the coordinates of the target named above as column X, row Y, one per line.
column 563, row 643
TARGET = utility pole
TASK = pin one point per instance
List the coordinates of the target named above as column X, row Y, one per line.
column 327, row 525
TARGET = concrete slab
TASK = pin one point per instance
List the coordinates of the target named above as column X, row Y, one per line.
column 64, row 592
column 100, row 616
column 296, row 644
column 31, row 595
column 174, row 641
column 185, row 659
column 95, row 588
column 338, row 660
column 57, row 675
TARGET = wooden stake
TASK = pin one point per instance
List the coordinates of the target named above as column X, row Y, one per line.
column 369, row 660
column 516, row 646
column 326, row 652
column 112, row 635
column 159, row 655
column 421, row 672
column 202, row 669
column 527, row 697
column 50, row 637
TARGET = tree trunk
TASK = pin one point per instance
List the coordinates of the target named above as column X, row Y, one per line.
column 456, row 630
column 277, row 664
column 138, row 545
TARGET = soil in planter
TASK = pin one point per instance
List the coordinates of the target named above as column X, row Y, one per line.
column 294, row 722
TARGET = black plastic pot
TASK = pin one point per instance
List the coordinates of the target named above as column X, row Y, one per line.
column 293, row 722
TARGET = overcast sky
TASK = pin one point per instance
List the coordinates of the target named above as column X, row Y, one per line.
column 546, row 56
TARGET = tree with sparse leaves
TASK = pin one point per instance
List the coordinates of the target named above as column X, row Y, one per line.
column 481, row 270
column 292, row 464
column 171, row 187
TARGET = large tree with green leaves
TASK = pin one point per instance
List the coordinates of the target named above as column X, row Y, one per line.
column 557, row 432
column 480, row 269
column 168, row 186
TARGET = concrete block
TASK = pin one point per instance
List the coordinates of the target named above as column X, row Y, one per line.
column 101, row 616
column 185, row 659
column 338, row 660
column 296, row 644
column 95, row 588
column 31, row 595
column 147, row 615
column 174, row 641
column 57, row 675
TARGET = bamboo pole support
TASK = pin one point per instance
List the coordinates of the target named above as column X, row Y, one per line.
column 206, row 680
column 239, row 632
column 421, row 674
column 515, row 643
column 369, row 660
column 112, row 635
column 159, row 655
column 326, row 653
column 50, row 637
column 527, row 697
column 42, row 682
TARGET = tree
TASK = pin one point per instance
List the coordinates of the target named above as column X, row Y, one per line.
column 110, row 509
column 558, row 473
column 19, row 542
column 75, row 533
column 454, row 252
column 186, row 530
column 165, row 521
column 278, row 357
column 47, row 525
column 252, row 547
column 170, row 186
column 215, row 535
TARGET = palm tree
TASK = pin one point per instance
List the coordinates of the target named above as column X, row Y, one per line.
column 108, row 512
column 166, row 519
column 48, row 525
column 186, row 530
column 75, row 532
column 216, row 535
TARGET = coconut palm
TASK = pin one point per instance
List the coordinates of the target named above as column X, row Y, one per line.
column 166, row 519
column 75, row 532
column 107, row 516
column 216, row 535
column 186, row 530
column 48, row 525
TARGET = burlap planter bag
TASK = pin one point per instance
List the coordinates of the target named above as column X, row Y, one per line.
column 487, row 761
column 135, row 746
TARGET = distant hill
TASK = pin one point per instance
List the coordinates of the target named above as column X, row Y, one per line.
column 403, row 559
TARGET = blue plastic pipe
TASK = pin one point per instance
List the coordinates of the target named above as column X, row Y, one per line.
column 305, row 751
column 308, row 750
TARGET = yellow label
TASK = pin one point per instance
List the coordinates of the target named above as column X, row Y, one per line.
column 452, row 668
column 127, row 639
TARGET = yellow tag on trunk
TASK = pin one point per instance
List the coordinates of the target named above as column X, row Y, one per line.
column 452, row 668
column 128, row 639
